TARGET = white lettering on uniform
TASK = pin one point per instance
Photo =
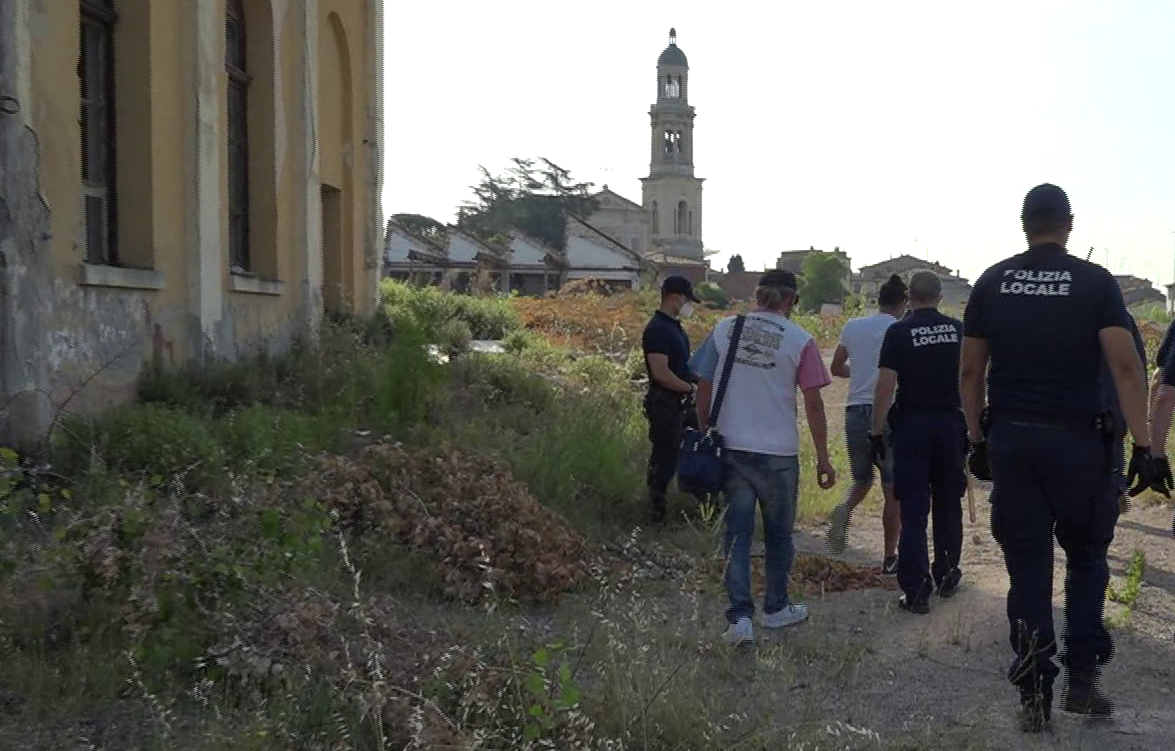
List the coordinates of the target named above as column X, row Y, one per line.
column 943, row 333
column 1036, row 283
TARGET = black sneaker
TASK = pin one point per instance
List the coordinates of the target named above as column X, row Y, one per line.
column 1082, row 696
column 921, row 608
column 889, row 567
column 1035, row 711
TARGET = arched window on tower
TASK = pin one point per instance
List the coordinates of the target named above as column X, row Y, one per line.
column 681, row 219
column 689, row 228
column 679, row 142
column 672, row 87
column 656, row 219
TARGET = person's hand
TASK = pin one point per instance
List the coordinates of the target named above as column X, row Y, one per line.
column 978, row 462
column 1164, row 483
column 1143, row 472
column 876, row 448
column 825, row 474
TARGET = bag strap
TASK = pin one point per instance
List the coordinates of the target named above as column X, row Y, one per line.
column 726, row 368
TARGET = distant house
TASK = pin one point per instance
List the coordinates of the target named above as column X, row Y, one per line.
column 739, row 286
column 868, row 279
column 1138, row 291
column 793, row 261
column 664, row 265
column 591, row 254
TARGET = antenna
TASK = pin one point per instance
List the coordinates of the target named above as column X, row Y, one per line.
column 1089, row 254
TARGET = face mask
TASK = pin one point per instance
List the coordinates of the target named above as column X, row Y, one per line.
column 687, row 310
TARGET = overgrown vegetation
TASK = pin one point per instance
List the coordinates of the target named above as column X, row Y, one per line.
column 361, row 544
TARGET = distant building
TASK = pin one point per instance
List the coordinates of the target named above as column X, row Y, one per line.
column 1138, row 291
column 793, row 261
column 459, row 261
column 868, row 280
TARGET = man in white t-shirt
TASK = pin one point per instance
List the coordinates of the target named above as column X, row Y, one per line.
column 856, row 359
column 757, row 421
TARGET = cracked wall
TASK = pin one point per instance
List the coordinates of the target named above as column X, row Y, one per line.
column 71, row 330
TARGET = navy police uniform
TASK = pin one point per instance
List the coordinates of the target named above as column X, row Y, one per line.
column 668, row 412
column 929, row 449
column 1040, row 313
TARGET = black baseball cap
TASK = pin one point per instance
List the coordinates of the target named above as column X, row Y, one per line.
column 778, row 278
column 678, row 285
column 1046, row 203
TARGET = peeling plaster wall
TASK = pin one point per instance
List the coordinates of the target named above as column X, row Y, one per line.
column 24, row 236
column 78, row 332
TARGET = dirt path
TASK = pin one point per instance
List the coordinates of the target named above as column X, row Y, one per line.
column 945, row 672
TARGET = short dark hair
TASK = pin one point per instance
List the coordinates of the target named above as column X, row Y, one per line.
column 892, row 293
column 1046, row 209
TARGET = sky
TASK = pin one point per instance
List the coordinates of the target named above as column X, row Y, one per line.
column 879, row 128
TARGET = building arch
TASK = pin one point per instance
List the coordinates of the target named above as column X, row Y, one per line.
column 336, row 116
column 681, row 218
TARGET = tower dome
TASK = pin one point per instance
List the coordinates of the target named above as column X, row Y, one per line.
column 673, row 54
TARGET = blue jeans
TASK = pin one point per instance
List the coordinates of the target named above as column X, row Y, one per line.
column 773, row 481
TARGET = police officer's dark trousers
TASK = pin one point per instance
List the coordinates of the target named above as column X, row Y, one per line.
column 1052, row 479
column 668, row 416
column 929, row 454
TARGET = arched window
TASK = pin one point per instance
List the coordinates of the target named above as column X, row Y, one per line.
column 236, row 66
column 682, row 218
column 672, row 87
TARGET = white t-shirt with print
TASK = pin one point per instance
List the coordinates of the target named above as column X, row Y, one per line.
column 775, row 357
column 861, row 338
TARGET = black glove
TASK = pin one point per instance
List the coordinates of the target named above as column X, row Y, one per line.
column 876, row 448
column 977, row 461
column 1143, row 472
column 1164, row 483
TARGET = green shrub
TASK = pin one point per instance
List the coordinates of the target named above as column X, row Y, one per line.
column 268, row 439
column 455, row 335
column 520, row 340
column 504, row 379
column 146, row 438
column 597, row 371
column 634, row 365
column 711, row 293
column 430, row 308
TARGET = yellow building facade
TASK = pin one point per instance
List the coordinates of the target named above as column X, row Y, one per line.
column 179, row 180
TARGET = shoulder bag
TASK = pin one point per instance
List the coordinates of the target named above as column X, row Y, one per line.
column 700, row 464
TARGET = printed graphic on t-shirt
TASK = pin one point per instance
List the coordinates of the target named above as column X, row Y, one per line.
column 1035, row 282
column 759, row 343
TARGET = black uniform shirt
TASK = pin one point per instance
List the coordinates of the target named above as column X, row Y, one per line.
column 1040, row 312
column 664, row 335
column 923, row 349
column 1165, row 357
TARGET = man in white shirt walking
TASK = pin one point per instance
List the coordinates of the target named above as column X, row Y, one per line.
column 757, row 421
column 856, row 359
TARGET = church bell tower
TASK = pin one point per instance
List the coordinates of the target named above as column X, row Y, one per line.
column 672, row 194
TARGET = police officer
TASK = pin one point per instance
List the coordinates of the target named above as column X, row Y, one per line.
column 1043, row 319
column 669, row 403
column 920, row 357
column 1162, row 404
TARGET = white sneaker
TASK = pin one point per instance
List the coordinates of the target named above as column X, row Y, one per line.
column 837, row 536
column 789, row 616
column 740, row 632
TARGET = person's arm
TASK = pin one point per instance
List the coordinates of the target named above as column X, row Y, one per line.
column 1122, row 358
column 887, row 382
column 840, row 362
column 811, row 376
column 703, row 364
column 1162, row 405
column 659, row 370
column 973, row 359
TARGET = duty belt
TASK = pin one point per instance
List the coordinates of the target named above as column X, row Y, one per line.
column 1102, row 423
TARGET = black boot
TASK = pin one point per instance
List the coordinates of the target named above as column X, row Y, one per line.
column 1082, row 695
column 657, row 508
column 1036, row 709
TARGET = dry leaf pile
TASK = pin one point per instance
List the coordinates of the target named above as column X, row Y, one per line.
column 484, row 530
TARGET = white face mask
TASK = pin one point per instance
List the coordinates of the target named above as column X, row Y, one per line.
column 687, row 310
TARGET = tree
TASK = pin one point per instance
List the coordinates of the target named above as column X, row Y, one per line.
column 534, row 197
column 821, row 280
column 735, row 265
column 418, row 224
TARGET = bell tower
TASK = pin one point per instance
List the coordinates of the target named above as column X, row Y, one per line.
column 672, row 194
